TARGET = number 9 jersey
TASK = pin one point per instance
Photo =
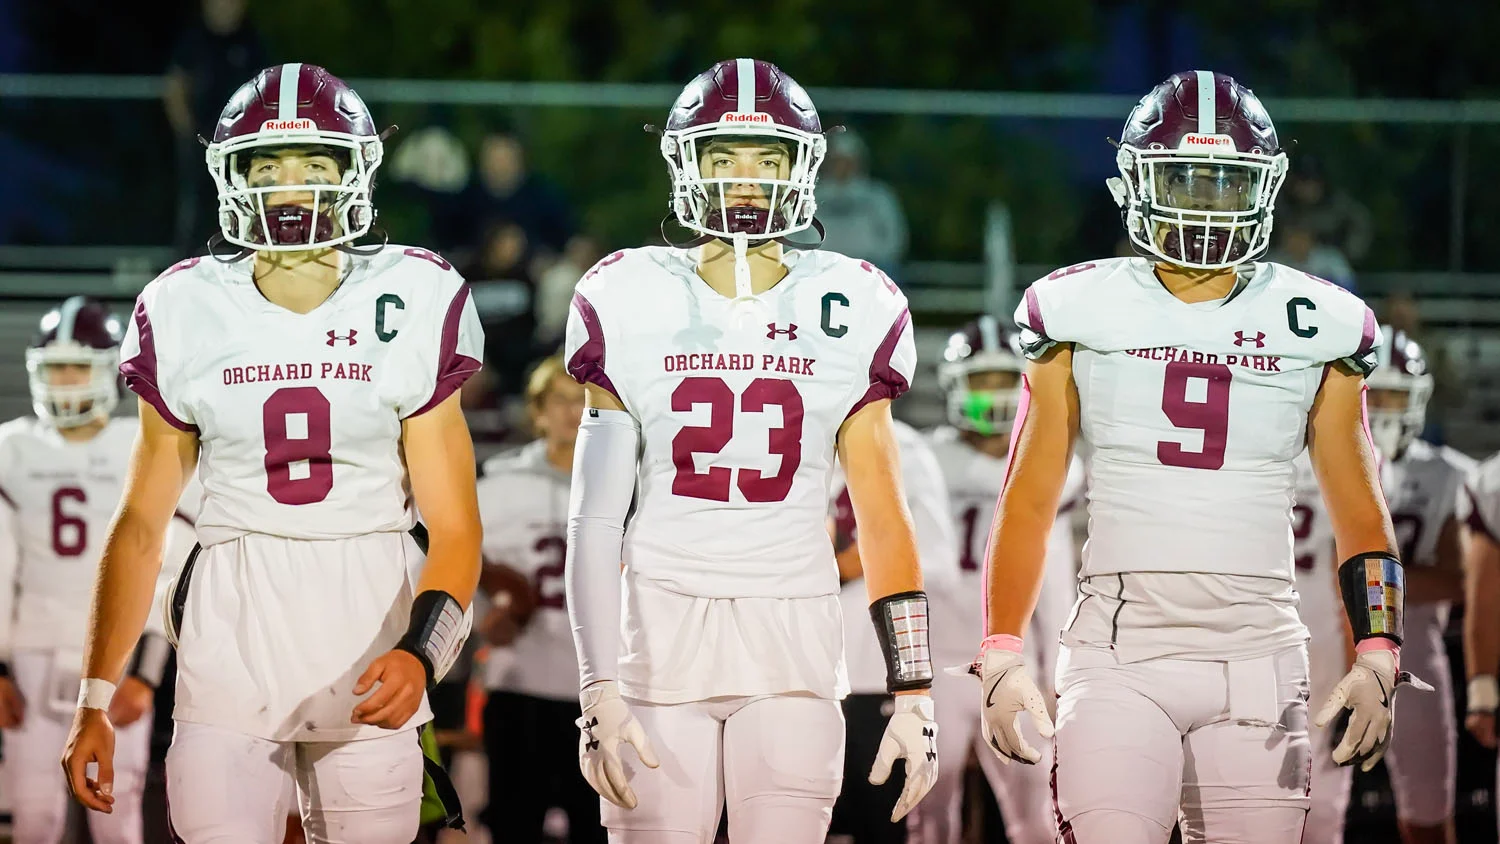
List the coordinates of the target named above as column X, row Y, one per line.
column 299, row 415
column 740, row 404
column 1191, row 414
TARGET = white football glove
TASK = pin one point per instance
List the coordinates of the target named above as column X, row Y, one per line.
column 911, row 734
column 1006, row 690
column 1368, row 691
column 606, row 723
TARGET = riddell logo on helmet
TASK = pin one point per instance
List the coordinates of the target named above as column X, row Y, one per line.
column 745, row 117
column 1194, row 140
column 287, row 125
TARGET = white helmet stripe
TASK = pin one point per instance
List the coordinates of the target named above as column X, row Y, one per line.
column 286, row 97
column 69, row 314
column 1208, row 115
column 989, row 334
column 745, row 86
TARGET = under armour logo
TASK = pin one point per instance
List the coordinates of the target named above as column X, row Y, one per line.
column 931, row 736
column 334, row 336
column 1259, row 339
column 590, row 742
column 790, row 331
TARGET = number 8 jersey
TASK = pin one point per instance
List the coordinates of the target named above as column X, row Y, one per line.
column 299, row 415
column 1191, row 414
column 739, row 405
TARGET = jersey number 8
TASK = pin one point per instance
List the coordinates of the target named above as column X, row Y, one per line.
column 298, row 431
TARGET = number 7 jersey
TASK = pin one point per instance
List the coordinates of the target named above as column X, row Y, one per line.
column 299, row 415
column 1191, row 414
column 739, row 404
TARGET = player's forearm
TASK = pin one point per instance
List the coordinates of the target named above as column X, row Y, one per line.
column 1482, row 590
column 123, row 590
column 888, row 557
column 453, row 564
column 1018, row 553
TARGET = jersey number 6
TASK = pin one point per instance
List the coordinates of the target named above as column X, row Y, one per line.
column 785, row 441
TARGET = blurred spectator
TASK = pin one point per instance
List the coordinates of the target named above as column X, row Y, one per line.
column 213, row 57
column 1297, row 246
column 1333, row 216
column 554, row 294
column 505, row 295
column 431, row 159
column 506, row 189
column 1401, row 312
column 862, row 216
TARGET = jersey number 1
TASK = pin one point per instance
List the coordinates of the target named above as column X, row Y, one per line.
column 298, row 432
column 1210, row 414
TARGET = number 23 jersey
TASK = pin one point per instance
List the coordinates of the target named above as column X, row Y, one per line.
column 1191, row 414
column 299, row 415
column 739, row 404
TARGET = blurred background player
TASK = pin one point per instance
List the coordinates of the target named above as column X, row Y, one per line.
column 1423, row 486
column 319, row 385
column 861, row 808
column 1481, row 597
column 61, row 475
column 533, row 689
column 980, row 375
column 721, row 377
column 1191, row 380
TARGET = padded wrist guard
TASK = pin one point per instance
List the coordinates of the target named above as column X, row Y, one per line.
column 1373, row 586
column 901, row 625
column 436, row 633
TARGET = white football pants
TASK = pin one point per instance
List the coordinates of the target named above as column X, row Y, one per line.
column 1220, row 747
column 226, row 787
column 1331, row 782
column 33, row 778
column 776, row 760
column 1423, row 756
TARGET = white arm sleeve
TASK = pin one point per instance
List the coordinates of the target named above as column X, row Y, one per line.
column 604, row 471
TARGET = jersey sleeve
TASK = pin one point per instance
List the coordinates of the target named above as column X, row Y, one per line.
column 147, row 359
column 451, row 351
column 1365, row 355
column 1028, row 318
column 892, row 364
column 584, row 346
column 1483, row 506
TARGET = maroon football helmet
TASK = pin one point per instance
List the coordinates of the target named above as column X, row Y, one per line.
column 737, row 100
column 983, row 345
column 1200, row 166
column 79, row 332
column 295, row 105
column 1400, row 387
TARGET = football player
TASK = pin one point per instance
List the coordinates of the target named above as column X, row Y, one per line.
column 61, row 475
column 1423, row 487
column 1481, row 596
column 533, row 694
column 1191, row 378
column 981, row 379
column 721, row 376
column 318, row 385
column 860, row 810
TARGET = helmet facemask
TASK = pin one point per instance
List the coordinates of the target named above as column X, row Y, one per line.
column 1396, row 407
column 983, row 393
column 341, row 210
column 712, row 205
column 72, row 405
column 1204, row 210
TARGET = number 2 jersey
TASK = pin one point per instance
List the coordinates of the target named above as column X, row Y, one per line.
column 731, row 584
column 59, row 497
column 1190, row 418
column 299, row 415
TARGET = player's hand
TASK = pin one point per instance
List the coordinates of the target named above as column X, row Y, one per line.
column 1368, row 691
column 132, row 700
column 402, row 681
column 1007, row 690
column 12, row 705
column 1481, row 726
column 607, row 723
column 92, row 739
column 911, row 735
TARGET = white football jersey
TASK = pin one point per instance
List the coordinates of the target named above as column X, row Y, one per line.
column 1318, row 600
column 1481, row 507
column 974, row 480
column 523, row 504
column 299, row 415
column 739, row 404
column 61, row 497
column 1191, row 417
column 1423, row 489
column 927, row 498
